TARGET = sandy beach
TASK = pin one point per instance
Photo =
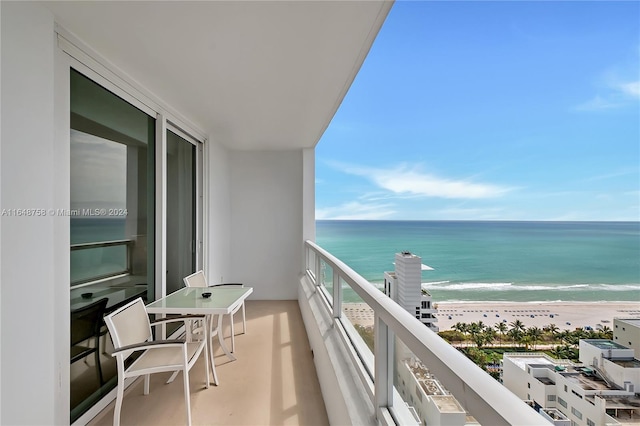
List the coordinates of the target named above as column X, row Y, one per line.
column 565, row 315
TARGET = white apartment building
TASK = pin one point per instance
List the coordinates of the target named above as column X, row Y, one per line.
column 404, row 285
column 601, row 390
column 626, row 331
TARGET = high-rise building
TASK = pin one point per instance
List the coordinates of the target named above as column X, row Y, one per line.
column 404, row 285
column 601, row 390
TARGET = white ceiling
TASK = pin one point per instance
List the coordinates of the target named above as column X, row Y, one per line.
column 254, row 75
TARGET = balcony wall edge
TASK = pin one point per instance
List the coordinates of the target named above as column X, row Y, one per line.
column 343, row 396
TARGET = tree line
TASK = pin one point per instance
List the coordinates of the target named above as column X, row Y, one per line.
column 517, row 334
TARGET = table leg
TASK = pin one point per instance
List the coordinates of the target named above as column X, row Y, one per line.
column 221, row 339
column 208, row 324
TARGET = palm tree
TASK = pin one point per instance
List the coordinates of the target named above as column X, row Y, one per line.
column 534, row 333
column 563, row 335
column 489, row 335
column 518, row 325
column 516, row 335
column 606, row 333
column 552, row 329
column 501, row 328
column 475, row 330
column 462, row 327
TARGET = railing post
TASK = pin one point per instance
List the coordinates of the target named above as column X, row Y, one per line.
column 318, row 272
column 337, row 295
column 130, row 257
column 383, row 379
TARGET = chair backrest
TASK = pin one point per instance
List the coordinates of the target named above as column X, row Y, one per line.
column 129, row 324
column 86, row 321
column 197, row 279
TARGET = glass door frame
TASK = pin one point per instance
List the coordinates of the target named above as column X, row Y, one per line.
column 163, row 125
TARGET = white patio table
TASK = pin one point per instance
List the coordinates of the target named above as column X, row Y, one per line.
column 189, row 301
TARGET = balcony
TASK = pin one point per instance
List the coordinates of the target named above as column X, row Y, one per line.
column 304, row 362
column 273, row 381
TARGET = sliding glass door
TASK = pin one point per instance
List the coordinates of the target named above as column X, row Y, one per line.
column 112, row 259
column 182, row 241
column 127, row 180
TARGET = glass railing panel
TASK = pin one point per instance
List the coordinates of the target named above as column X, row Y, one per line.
column 359, row 314
column 91, row 262
column 311, row 262
column 325, row 279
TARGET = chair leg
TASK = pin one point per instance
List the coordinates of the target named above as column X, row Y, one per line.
column 98, row 363
column 206, row 360
column 119, row 396
column 146, row 383
column 187, row 398
column 173, row 376
column 99, row 367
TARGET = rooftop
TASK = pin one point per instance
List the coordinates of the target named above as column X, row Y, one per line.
column 524, row 360
column 632, row 321
column 627, row 363
column 585, row 381
column 604, row 344
column 447, row 404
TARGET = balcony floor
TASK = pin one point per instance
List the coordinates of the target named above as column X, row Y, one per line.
column 272, row 382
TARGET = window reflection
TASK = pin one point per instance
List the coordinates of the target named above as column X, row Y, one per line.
column 111, row 225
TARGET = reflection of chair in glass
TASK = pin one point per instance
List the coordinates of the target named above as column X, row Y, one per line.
column 130, row 331
column 85, row 326
column 198, row 279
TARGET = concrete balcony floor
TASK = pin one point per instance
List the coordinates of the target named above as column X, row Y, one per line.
column 272, row 382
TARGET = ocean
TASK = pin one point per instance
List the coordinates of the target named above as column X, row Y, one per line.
column 94, row 262
column 497, row 260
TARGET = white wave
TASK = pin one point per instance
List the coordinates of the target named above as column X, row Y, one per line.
column 530, row 287
column 434, row 283
column 620, row 287
column 536, row 287
column 478, row 286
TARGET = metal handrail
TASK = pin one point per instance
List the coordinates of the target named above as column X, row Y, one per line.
column 128, row 243
column 486, row 399
column 99, row 244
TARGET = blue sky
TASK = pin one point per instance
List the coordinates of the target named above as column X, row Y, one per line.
column 490, row 111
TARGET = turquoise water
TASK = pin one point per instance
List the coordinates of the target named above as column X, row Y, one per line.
column 93, row 262
column 498, row 261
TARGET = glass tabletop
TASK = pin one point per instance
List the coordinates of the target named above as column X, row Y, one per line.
column 189, row 300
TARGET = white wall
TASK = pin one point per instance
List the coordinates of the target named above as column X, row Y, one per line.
column 514, row 378
column 266, row 222
column 217, row 256
column 29, row 370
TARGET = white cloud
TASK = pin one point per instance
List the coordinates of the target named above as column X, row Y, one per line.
column 356, row 211
column 631, row 88
column 618, row 93
column 598, row 103
column 404, row 180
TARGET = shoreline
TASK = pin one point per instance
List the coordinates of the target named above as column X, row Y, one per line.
column 565, row 315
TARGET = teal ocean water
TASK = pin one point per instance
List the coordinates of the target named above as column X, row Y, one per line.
column 498, row 261
column 87, row 264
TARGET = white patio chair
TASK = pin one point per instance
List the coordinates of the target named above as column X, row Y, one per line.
column 130, row 331
column 198, row 279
